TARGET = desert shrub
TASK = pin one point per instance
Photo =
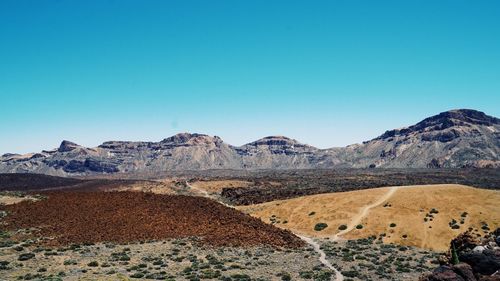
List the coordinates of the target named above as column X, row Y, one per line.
column 4, row 265
column 25, row 256
column 306, row 274
column 322, row 275
column 434, row 211
column 312, row 213
column 392, row 225
column 242, row 277
column 120, row 256
column 156, row 276
column 320, row 226
column 5, row 244
column 359, row 226
column 93, row 264
column 343, row 227
column 210, row 274
column 137, row 275
column 69, row 262
column 350, row 273
column 285, row 276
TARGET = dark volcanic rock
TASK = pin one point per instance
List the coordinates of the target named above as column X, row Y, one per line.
column 479, row 259
column 67, row 146
column 92, row 165
column 485, row 263
column 461, row 271
column 445, row 120
column 443, row 273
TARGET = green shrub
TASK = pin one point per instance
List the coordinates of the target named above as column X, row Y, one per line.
column 25, row 256
column 137, row 275
column 320, row 226
column 306, row 274
column 285, row 276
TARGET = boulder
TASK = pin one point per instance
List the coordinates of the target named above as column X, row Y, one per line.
column 465, row 271
column 485, row 263
column 443, row 273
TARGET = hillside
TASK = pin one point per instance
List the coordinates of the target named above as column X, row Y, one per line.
column 422, row 215
column 83, row 217
column 452, row 139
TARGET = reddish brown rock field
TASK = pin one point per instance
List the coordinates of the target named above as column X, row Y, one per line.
column 89, row 217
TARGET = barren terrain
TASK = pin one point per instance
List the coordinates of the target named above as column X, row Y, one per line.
column 82, row 217
column 424, row 216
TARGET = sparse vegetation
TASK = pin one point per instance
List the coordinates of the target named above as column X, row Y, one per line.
column 25, row 256
column 320, row 226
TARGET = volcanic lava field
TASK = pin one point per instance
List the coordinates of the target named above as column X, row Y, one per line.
column 67, row 218
column 212, row 226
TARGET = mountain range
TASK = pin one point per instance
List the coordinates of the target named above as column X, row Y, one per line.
column 452, row 139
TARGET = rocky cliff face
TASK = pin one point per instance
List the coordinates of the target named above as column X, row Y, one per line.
column 456, row 138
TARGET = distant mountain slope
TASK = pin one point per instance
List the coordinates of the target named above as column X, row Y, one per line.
column 456, row 138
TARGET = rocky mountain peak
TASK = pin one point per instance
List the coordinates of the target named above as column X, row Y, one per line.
column 454, row 119
column 276, row 141
column 191, row 139
column 67, row 146
column 458, row 117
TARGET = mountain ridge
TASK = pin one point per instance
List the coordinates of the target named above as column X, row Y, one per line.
column 455, row 138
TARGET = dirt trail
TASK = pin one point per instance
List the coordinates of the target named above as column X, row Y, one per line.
column 364, row 211
column 308, row 240
column 322, row 256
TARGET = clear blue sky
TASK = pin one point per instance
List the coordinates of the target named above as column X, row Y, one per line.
column 328, row 73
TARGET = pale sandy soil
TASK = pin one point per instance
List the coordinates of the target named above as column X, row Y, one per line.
column 216, row 186
column 406, row 207
column 163, row 187
column 9, row 200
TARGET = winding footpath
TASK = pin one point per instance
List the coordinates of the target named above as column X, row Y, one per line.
column 317, row 248
column 322, row 256
column 364, row 211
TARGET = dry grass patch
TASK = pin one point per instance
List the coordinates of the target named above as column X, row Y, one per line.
column 407, row 217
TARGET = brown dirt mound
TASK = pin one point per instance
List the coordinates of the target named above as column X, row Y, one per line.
column 82, row 217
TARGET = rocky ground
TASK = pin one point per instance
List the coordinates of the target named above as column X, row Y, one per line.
column 81, row 217
column 470, row 258
column 370, row 259
column 297, row 183
column 175, row 259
